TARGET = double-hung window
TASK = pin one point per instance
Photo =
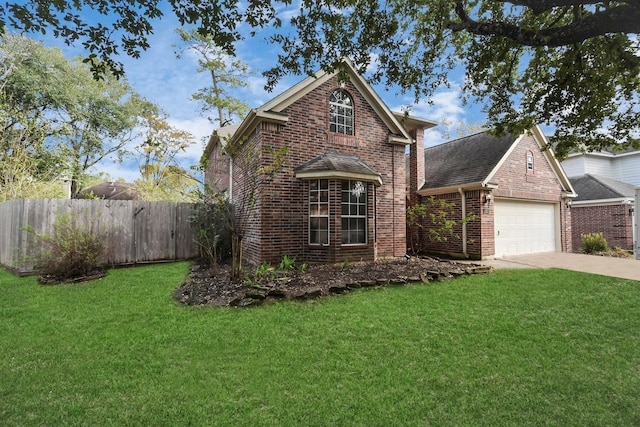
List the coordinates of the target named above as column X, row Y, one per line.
column 319, row 212
column 354, row 212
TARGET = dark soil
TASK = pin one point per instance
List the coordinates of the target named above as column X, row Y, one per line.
column 212, row 286
column 51, row 279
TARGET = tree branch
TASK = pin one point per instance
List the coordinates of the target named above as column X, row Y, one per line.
column 618, row 19
column 539, row 6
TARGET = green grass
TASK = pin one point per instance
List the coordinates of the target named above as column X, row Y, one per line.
column 521, row 347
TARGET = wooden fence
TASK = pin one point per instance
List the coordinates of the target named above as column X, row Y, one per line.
column 134, row 231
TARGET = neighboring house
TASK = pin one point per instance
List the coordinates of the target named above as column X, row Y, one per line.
column 340, row 195
column 603, row 206
column 622, row 166
column 605, row 183
column 110, row 191
column 517, row 191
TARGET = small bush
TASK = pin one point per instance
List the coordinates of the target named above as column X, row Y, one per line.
column 593, row 242
column 211, row 231
column 70, row 251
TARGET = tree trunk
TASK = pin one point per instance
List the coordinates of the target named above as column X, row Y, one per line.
column 236, row 255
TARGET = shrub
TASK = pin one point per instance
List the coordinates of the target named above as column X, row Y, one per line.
column 593, row 242
column 73, row 249
column 212, row 234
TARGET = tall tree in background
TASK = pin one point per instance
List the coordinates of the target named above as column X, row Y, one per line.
column 98, row 120
column 55, row 112
column 571, row 64
column 226, row 74
column 163, row 179
column 26, row 162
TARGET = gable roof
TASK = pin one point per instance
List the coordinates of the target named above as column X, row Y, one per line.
column 472, row 162
column 272, row 111
column 464, row 161
column 331, row 165
column 593, row 187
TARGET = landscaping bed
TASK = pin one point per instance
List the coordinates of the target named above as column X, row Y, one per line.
column 212, row 286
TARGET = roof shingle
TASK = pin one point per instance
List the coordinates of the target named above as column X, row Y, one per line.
column 463, row 161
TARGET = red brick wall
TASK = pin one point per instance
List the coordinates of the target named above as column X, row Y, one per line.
column 217, row 171
column 282, row 228
column 480, row 239
column 248, row 219
column 614, row 221
column 514, row 181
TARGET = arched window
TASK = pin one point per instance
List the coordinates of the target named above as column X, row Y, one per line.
column 529, row 161
column 341, row 112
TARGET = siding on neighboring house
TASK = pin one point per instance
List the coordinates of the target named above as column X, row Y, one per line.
column 574, row 166
column 604, row 166
column 630, row 168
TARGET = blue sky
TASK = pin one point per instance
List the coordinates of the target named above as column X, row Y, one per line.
column 169, row 82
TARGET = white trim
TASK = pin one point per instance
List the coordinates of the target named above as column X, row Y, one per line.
column 348, row 216
column 328, row 215
column 455, row 188
column 299, row 90
column 603, row 202
column 399, row 140
column 503, row 159
column 332, row 174
column 543, row 142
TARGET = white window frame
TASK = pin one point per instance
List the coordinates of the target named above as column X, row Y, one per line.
column 359, row 205
column 341, row 112
column 530, row 161
column 316, row 210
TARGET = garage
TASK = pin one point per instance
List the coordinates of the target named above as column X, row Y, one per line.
column 525, row 227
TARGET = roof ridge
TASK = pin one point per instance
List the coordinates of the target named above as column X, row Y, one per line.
column 458, row 139
column 599, row 179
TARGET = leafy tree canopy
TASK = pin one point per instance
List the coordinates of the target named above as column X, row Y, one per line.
column 571, row 64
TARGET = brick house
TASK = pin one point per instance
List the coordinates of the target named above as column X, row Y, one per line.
column 605, row 182
column 603, row 206
column 517, row 192
column 340, row 194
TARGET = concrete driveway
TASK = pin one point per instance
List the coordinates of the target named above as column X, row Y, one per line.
column 605, row 266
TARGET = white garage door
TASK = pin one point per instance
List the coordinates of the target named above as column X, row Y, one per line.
column 525, row 227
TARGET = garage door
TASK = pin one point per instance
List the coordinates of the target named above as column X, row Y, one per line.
column 524, row 227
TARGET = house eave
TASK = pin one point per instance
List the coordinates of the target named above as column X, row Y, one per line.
column 456, row 188
column 253, row 119
column 412, row 122
column 399, row 140
column 342, row 175
column 603, row 202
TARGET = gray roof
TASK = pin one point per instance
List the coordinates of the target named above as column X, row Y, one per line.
column 464, row 161
column 338, row 163
column 110, row 191
column 594, row 187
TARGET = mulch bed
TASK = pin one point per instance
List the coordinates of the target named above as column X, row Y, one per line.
column 50, row 279
column 207, row 286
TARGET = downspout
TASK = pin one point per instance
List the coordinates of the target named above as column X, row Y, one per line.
column 464, row 223
column 393, row 205
column 230, row 195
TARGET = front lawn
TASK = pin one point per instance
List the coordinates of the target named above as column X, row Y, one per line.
column 520, row 347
